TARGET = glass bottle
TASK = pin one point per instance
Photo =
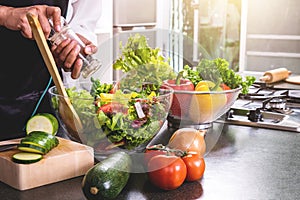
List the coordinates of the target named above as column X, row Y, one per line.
column 90, row 64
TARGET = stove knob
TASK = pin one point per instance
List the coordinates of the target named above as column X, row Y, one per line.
column 277, row 103
column 255, row 115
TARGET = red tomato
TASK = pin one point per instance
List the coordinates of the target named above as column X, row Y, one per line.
column 152, row 151
column 166, row 172
column 180, row 102
column 113, row 107
column 115, row 88
column 224, row 86
column 195, row 165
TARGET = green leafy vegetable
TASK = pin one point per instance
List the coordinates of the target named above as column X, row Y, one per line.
column 217, row 71
column 142, row 63
column 98, row 87
column 117, row 120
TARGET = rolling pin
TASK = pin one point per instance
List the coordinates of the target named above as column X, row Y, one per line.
column 275, row 75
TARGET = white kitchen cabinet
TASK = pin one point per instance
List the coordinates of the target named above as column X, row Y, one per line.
column 132, row 13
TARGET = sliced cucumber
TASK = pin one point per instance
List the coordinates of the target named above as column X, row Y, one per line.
column 26, row 158
column 40, row 135
column 32, row 148
column 45, row 122
column 39, row 143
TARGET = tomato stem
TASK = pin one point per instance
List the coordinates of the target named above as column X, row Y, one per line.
column 168, row 150
column 159, row 147
column 178, row 152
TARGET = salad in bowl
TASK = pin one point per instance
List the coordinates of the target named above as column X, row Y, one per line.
column 204, row 93
column 115, row 118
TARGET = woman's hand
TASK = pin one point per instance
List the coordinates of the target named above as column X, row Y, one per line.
column 15, row 18
column 66, row 54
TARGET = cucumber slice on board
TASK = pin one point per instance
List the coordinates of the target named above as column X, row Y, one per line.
column 32, row 148
column 45, row 122
column 40, row 135
column 26, row 158
column 37, row 143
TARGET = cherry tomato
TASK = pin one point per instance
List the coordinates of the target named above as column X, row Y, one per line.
column 113, row 107
column 167, row 172
column 195, row 165
column 115, row 88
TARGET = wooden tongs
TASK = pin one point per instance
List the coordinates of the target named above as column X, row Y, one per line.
column 65, row 109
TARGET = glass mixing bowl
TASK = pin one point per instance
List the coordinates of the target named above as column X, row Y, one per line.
column 117, row 119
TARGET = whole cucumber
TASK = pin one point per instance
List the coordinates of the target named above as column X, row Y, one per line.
column 107, row 178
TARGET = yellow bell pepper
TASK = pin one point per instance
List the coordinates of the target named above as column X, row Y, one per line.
column 115, row 97
column 106, row 97
column 205, row 108
column 151, row 95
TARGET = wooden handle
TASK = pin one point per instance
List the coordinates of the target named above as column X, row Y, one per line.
column 275, row 75
column 66, row 110
column 41, row 41
column 265, row 78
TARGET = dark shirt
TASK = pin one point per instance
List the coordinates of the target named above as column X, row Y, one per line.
column 23, row 76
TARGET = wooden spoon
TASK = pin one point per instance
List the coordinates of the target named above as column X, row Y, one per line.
column 65, row 109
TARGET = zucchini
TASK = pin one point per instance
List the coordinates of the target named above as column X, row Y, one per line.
column 45, row 122
column 34, row 145
column 38, row 142
column 32, row 148
column 26, row 158
column 108, row 177
column 40, row 135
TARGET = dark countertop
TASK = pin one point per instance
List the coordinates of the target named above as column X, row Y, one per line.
column 245, row 163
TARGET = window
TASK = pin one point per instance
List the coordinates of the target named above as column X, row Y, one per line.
column 270, row 36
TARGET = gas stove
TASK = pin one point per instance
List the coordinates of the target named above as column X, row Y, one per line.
column 266, row 107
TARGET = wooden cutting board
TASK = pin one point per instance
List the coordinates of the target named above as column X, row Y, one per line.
column 69, row 159
column 293, row 79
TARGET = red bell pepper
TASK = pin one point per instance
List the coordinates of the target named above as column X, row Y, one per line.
column 226, row 87
column 181, row 102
